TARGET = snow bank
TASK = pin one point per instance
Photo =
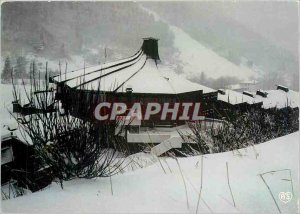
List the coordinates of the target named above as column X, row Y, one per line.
column 150, row 189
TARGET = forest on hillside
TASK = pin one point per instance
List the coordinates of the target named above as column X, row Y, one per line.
column 95, row 32
column 61, row 29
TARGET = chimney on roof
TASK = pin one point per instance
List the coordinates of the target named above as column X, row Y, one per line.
column 283, row 88
column 261, row 93
column 248, row 93
column 150, row 48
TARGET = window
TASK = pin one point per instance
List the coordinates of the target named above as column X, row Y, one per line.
column 6, row 155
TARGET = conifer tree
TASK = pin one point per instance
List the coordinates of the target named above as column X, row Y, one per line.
column 20, row 72
column 7, row 71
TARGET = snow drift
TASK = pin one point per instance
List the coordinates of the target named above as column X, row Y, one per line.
column 159, row 187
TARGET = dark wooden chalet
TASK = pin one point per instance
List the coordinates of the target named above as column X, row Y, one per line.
column 19, row 163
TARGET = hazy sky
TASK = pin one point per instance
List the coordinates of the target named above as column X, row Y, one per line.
column 278, row 21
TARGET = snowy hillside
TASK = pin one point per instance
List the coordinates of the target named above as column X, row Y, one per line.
column 149, row 189
column 194, row 58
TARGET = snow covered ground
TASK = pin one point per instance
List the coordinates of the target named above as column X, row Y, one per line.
column 150, row 189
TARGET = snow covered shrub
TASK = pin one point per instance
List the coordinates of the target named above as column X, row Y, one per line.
column 240, row 129
column 272, row 123
column 197, row 142
column 232, row 134
column 70, row 147
column 263, row 126
column 228, row 134
column 286, row 120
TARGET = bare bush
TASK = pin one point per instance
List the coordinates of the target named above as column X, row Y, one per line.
column 197, row 142
column 70, row 147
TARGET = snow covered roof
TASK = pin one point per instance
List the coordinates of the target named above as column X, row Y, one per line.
column 143, row 72
column 274, row 99
column 7, row 136
column 234, row 97
column 279, row 99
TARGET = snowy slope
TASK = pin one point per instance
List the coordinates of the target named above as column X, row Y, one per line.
column 195, row 58
column 149, row 189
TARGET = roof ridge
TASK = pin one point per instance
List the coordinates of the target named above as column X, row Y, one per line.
column 139, row 57
column 129, row 59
